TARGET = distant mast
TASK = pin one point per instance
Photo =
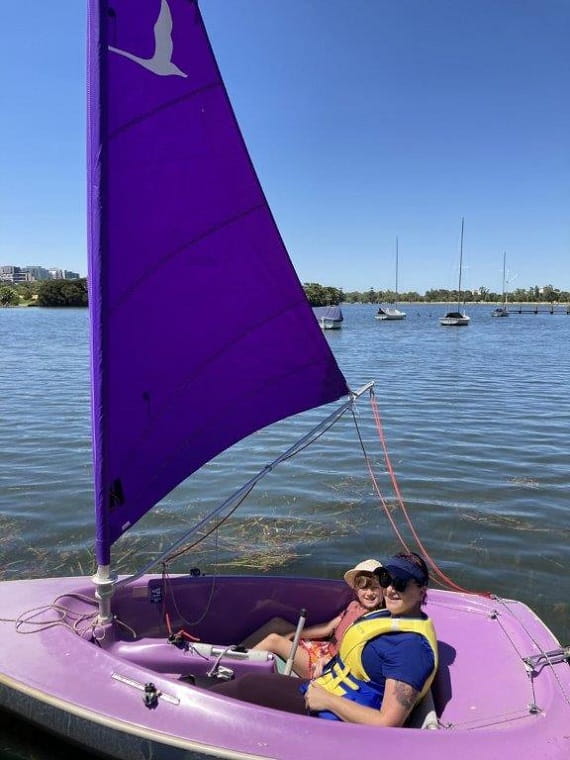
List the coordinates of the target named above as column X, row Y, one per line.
column 460, row 265
column 396, row 299
column 457, row 318
column 502, row 311
column 504, row 280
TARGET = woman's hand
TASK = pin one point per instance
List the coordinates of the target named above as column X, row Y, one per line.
column 316, row 698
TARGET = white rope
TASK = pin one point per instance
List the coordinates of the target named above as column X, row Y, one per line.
column 63, row 615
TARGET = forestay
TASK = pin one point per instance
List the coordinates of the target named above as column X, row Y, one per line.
column 178, row 223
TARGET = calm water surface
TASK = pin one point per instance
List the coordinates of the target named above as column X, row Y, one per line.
column 477, row 425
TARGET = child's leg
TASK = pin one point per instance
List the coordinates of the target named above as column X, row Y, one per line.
column 301, row 663
column 281, row 646
column 275, row 625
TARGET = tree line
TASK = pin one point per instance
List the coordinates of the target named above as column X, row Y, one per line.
column 325, row 295
column 74, row 293
column 45, row 293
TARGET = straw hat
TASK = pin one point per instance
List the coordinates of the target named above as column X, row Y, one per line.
column 368, row 566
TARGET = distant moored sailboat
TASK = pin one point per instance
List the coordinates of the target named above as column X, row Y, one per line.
column 457, row 318
column 502, row 311
column 392, row 314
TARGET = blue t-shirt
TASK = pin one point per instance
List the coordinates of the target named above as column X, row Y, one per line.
column 402, row 656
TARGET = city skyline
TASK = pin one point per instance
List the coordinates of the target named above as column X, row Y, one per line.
column 34, row 273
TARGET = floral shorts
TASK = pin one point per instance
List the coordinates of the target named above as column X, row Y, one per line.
column 316, row 651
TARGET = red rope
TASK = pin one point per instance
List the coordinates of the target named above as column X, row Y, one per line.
column 384, row 504
column 165, row 590
column 187, row 635
column 431, row 562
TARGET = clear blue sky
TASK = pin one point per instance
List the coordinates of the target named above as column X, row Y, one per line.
column 365, row 119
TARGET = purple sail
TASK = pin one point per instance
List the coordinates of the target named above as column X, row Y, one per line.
column 201, row 332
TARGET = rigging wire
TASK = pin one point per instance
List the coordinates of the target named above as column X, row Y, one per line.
column 184, row 549
column 244, row 493
column 169, row 591
column 309, row 438
column 439, row 576
column 241, row 495
column 377, row 487
column 548, row 662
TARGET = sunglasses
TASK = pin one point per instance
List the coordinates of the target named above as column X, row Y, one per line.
column 365, row 581
column 398, row 584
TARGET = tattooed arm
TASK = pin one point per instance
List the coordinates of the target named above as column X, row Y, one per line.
column 399, row 698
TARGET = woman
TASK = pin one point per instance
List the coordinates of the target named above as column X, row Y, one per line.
column 387, row 660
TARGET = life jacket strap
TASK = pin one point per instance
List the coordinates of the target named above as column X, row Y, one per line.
column 337, row 676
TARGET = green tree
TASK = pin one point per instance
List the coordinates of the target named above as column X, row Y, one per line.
column 519, row 295
column 550, row 294
column 440, row 295
column 8, row 296
column 333, row 296
column 27, row 289
column 63, row 293
column 322, row 295
column 411, row 297
column 483, row 293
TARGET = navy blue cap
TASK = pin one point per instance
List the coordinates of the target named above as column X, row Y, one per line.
column 399, row 567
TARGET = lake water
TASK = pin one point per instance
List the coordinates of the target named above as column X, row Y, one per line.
column 476, row 421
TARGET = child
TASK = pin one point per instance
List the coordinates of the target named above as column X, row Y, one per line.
column 321, row 642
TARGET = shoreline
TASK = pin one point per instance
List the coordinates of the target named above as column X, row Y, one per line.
column 538, row 304
column 547, row 304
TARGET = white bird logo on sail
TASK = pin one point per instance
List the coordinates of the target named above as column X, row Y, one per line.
column 161, row 62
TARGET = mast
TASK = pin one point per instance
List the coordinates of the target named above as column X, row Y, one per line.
column 396, row 299
column 504, row 275
column 152, row 224
column 460, row 267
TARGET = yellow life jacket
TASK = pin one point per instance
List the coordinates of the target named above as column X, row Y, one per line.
column 346, row 671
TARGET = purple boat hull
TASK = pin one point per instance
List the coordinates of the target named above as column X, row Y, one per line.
column 489, row 702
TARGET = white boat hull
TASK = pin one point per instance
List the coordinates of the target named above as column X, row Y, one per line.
column 390, row 315
column 330, row 324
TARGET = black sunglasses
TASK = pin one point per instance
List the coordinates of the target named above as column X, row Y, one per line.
column 398, row 584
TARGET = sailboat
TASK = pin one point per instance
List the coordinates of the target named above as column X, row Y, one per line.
column 457, row 318
column 112, row 663
column 502, row 311
column 392, row 313
column 329, row 317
